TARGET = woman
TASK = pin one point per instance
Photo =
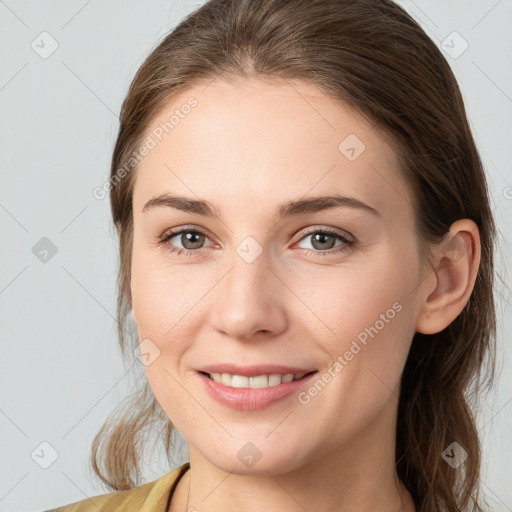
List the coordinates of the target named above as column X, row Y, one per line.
column 302, row 377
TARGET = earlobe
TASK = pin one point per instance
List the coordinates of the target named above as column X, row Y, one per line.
column 456, row 263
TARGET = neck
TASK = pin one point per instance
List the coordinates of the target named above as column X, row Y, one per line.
column 354, row 477
column 320, row 488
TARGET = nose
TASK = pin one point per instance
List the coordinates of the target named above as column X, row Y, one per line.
column 250, row 299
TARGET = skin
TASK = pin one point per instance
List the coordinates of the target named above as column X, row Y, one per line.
column 246, row 148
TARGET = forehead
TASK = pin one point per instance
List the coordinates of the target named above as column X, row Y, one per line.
column 263, row 142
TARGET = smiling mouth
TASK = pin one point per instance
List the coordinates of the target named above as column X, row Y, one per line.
column 256, row 382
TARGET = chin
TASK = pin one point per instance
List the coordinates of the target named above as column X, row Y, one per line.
column 252, row 458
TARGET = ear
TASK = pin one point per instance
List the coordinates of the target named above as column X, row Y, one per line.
column 456, row 263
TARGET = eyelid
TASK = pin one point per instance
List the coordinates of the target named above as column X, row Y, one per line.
column 170, row 233
column 324, row 229
column 300, row 235
column 348, row 240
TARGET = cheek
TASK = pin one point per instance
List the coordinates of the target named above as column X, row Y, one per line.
column 162, row 306
column 168, row 306
column 342, row 303
column 363, row 318
column 363, row 324
column 150, row 307
column 160, row 294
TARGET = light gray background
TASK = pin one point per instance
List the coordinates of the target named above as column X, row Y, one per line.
column 61, row 372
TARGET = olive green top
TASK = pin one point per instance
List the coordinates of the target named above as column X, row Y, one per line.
column 154, row 496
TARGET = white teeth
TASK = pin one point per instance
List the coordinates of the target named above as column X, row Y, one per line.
column 260, row 381
column 239, row 381
column 274, row 380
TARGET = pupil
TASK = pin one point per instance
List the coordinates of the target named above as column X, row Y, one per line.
column 319, row 238
column 322, row 238
column 188, row 237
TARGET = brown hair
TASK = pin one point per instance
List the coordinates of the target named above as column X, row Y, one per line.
column 373, row 56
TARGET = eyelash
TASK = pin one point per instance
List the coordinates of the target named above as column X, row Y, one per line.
column 348, row 244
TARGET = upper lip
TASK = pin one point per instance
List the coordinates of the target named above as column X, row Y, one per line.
column 254, row 370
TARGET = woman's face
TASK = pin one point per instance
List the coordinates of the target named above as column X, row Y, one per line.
column 254, row 287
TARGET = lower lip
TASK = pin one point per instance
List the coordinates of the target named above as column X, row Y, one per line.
column 250, row 399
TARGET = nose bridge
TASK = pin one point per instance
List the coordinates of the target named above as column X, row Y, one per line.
column 248, row 276
column 248, row 301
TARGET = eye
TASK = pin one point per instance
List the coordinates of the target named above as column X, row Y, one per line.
column 324, row 239
column 192, row 239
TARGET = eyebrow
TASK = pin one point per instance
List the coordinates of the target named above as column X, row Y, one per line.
column 287, row 209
